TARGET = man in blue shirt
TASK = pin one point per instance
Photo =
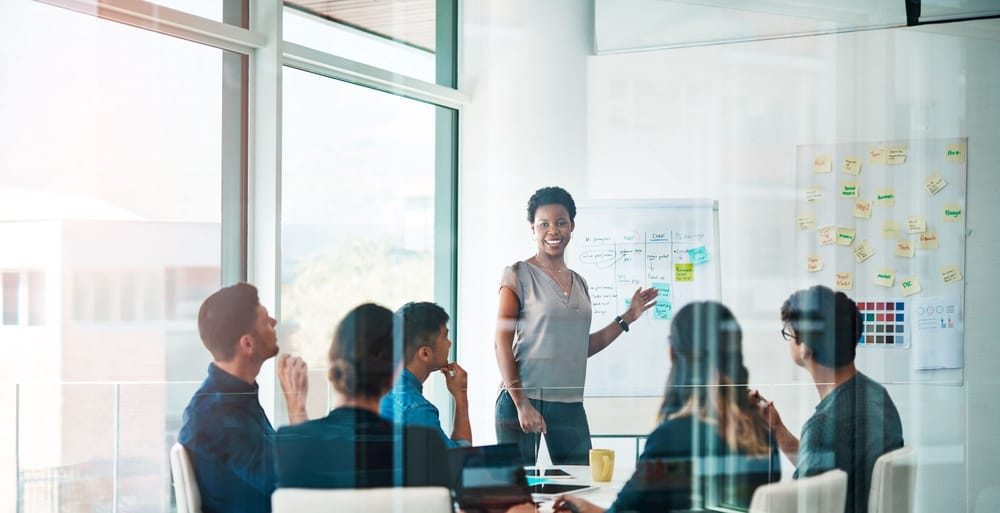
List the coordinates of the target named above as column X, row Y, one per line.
column 424, row 328
column 225, row 431
column 855, row 421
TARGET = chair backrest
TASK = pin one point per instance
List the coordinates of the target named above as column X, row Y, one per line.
column 185, row 485
column 825, row 493
column 894, row 478
column 418, row 499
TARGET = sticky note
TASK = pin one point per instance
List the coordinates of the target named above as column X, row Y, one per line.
column 827, row 235
column 953, row 212
column 890, row 229
column 885, row 197
column 844, row 281
column 845, row 236
column 862, row 209
column 814, row 194
column 814, row 263
column 662, row 290
column 910, row 286
column 663, row 310
column 852, row 166
column 896, row 155
column 928, row 240
column 684, row 272
column 849, row 190
column 904, row 248
column 935, row 183
column 822, row 164
column 876, row 154
column 698, row 255
column 863, row 251
column 951, row 274
column 885, row 278
column 807, row 221
column 954, row 153
column 916, row 224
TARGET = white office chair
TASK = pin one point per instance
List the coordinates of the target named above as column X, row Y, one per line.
column 825, row 493
column 185, row 486
column 424, row 499
column 894, row 479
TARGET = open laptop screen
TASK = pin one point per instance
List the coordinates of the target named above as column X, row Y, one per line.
column 489, row 477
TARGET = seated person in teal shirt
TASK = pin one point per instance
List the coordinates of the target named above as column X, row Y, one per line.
column 855, row 421
column 424, row 328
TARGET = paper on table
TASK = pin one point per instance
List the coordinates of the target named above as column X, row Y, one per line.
column 936, row 332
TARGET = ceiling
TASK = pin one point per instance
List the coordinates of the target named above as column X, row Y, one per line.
column 408, row 21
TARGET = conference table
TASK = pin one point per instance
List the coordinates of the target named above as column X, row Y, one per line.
column 604, row 493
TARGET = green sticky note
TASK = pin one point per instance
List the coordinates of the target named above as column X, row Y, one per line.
column 683, row 272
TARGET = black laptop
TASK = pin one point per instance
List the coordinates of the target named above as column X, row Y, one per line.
column 491, row 478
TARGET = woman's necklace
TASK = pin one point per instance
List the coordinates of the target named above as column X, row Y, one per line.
column 556, row 276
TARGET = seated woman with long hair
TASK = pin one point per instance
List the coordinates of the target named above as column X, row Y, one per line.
column 353, row 447
column 712, row 447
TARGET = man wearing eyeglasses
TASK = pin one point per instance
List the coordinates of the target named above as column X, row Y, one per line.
column 855, row 421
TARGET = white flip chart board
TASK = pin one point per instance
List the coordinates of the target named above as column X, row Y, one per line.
column 672, row 245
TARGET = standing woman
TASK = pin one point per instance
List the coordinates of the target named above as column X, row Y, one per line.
column 543, row 339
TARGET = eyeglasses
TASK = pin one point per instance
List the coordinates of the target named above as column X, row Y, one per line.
column 785, row 334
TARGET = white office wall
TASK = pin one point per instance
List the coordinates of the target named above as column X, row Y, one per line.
column 723, row 122
column 524, row 66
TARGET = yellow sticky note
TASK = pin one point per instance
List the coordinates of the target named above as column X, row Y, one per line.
column 814, row 263
column 822, row 164
column 852, row 166
column 953, row 212
column 863, row 251
column 928, row 240
column 827, row 235
column 910, row 286
column 844, row 281
column 684, row 272
column 814, row 194
column 885, row 278
column 862, row 209
column 876, row 154
column 885, row 197
column 845, row 236
column 807, row 221
column 890, row 229
column 916, row 224
column 954, row 153
column 849, row 190
column 896, row 155
column 935, row 183
column 951, row 274
column 904, row 248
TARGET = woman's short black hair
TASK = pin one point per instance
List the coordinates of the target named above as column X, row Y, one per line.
column 362, row 354
column 551, row 196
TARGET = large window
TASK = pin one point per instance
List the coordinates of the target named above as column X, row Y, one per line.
column 110, row 200
column 358, row 205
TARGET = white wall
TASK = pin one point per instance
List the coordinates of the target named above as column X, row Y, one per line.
column 524, row 66
column 723, row 122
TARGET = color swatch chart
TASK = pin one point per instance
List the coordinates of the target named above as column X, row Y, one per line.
column 885, row 322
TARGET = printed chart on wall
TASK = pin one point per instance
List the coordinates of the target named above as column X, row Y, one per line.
column 618, row 246
column 884, row 221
